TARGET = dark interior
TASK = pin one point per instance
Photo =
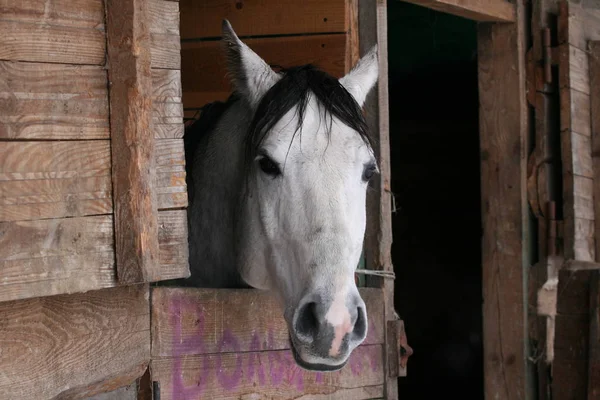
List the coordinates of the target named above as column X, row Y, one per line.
column 436, row 252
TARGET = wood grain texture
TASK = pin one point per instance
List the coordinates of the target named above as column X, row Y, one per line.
column 54, row 179
column 268, row 374
column 477, row 10
column 576, row 148
column 60, row 31
column 203, row 317
column 173, row 244
column 263, row 17
column 372, row 22
column 204, row 69
column 170, row 187
column 55, row 256
column 167, row 94
column 165, row 51
column 58, row 179
column 163, row 17
column 594, row 335
column 53, row 101
column 503, row 145
column 71, row 255
column 136, row 231
column 582, row 23
column 73, row 343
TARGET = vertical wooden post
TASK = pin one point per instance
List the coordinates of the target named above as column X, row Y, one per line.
column 373, row 30
column 594, row 339
column 132, row 142
column 503, row 142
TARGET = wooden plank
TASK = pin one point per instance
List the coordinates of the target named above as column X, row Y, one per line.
column 353, row 34
column 32, row 41
column 196, row 321
column 267, row 374
column 372, row 21
column 477, row 10
column 52, row 101
column 264, row 17
column 136, row 230
column 204, row 69
column 166, row 88
column 503, row 139
column 165, row 51
column 594, row 335
column 76, row 345
column 54, row 179
column 173, row 244
column 163, row 17
column 58, row 256
column 69, row 13
column 171, row 188
column 55, row 256
column 41, row 180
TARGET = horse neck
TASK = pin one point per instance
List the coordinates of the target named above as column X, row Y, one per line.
column 217, row 179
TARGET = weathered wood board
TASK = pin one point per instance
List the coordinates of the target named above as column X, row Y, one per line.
column 477, row 10
column 261, row 18
column 70, row 255
column 231, row 343
column 204, row 69
column 72, row 346
column 503, row 147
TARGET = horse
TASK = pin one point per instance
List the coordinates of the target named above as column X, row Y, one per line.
column 277, row 179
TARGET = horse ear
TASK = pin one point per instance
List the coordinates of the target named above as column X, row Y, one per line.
column 251, row 76
column 361, row 79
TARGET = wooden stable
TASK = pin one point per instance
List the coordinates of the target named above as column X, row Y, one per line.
column 93, row 200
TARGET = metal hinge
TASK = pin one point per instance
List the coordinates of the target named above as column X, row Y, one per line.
column 398, row 349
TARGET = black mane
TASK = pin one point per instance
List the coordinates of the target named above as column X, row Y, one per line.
column 293, row 89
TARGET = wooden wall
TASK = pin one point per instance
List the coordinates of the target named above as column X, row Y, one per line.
column 283, row 32
column 70, row 328
column 56, row 189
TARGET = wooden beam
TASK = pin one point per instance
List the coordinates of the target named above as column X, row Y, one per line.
column 594, row 339
column 130, row 76
column 372, row 22
column 503, row 142
column 478, row 10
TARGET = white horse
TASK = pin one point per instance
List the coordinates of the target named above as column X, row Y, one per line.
column 277, row 180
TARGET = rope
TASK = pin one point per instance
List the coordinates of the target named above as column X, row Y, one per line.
column 383, row 274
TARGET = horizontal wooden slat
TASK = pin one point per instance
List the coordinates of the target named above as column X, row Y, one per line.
column 41, row 180
column 53, row 101
column 42, row 258
column 25, row 41
column 478, row 10
column 54, row 179
column 263, row 17
column 193, row 321
column 268, row 374
column 204, row 69
column 170, row 174
column 575, row 77
column 165, row 50
column 68, row 13
column 166, row 85
column 73, row 344
column 575, row 112
column 163, row 16
column 70, row 255
column 173, row 244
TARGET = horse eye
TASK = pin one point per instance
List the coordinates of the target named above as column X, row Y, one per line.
column 268, row 166
column 369, row 172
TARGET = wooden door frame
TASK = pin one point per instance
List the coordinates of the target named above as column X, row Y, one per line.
column 504, row 144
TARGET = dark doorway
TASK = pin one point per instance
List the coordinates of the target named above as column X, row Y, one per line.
column 434, row 132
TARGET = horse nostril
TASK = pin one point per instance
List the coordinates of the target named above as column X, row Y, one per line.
column 360, row 326
column 307, row 323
